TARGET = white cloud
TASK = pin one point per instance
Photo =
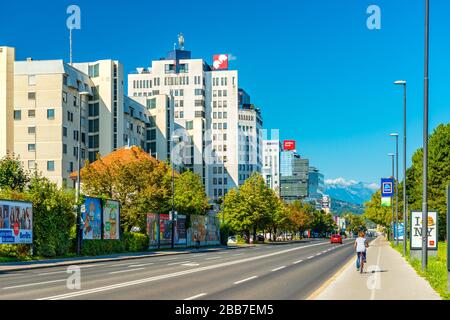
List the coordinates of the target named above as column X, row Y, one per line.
column 341, row 182
column 372, row 186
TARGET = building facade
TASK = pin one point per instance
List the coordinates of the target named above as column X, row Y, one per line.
column 294, row 178
column 7, row 58
column 215, row 130
column 271, row 164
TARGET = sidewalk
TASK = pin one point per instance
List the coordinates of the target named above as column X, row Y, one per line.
column 39, row 264
column 388, row 277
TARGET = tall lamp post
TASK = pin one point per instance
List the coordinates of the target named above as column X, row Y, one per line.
column 395, row 135
column 78, row 186
column 405, row 215
column 392, row 155
column 425, row 141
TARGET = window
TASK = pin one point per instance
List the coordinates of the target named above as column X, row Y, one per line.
column 31, row 164
column 94, row 110
column 64, row 97
column 70, row 167
column 50, row 165
column 31, row 113
column 31, row 147
column 94, row 70
column 31, row 80
column 64, row 132
column 69, row 116
column 17, row 115
column 94, row 125
column 75, row 135
column 198, row 92
column 31, row 130
column 65, row 80
column 151, row 103
column 64, row 148
column 31, row 95
column 50, row 114
column 189, row 125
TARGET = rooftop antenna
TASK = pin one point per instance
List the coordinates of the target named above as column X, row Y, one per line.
column 181, row 41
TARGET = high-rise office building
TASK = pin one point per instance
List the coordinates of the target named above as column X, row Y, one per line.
column 7, row 58
column 271, row 164
column 294, row 177
column 216, row 130
column 316, row 184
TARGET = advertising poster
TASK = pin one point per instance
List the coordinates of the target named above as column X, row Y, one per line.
column 181, row 235
column 165, row 229
column 16, row 222
column 92, row 219
column 111, row 220
column 416, row 231
column 212, row 225
column 198, row 229
column 152, row 229
column 398, row 231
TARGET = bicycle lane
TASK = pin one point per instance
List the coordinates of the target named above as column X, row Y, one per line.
column 387, row 276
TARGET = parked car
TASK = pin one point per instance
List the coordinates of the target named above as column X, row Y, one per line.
column 232, row 241
column 260, row 237
column 336, row 238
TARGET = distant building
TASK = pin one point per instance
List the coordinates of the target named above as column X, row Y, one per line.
column 294, row 177
column 271, row 164
column 7, row 58
column 316, row 187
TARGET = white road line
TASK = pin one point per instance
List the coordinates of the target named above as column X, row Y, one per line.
column 191, row 265
column 213, row 258
column 309, row 258
column 139, row 265
column 197, row 296
column 128, row 270
column 237, row 254
column 319, row 254
column 119, row 265
column 50, row 273
column 297, row 262
column 278, row 269
column 168, row 259
column 173, row 275
column 34, row 284
column 92, row 265
column 175, row 263
column 245, row 280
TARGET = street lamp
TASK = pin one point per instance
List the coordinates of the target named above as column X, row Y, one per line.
column 392, row 155
column 395, row 135
column 405, row 216
column 425, row 141
column 78, row 185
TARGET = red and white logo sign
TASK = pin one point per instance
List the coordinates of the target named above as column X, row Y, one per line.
column 16, row 229
column 220, row 62
column 289, row 145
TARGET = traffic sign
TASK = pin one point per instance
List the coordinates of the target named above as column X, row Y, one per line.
column 387, row 187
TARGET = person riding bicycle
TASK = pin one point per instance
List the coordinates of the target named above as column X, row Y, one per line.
column 361, row 245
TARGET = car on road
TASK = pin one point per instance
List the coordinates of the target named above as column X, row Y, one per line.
column 336, row 238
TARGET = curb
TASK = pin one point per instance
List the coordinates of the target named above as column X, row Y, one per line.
column 83, row 262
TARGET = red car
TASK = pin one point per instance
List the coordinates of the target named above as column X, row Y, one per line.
column 336, row 238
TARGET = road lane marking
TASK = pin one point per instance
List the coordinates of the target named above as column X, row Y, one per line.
column 139, row 265
column 278, row 269
column 50, row 273
column 175, row 263
column 196, row 297
column 168, row 259
column 119, row 265
column 237, row 254
column 297, row 262
column 91, row 265
column 190, row 264
column 34, row 284
column 128, row 270
column 311, row 257
column 245, row 280
column 319, row 254
column 213, row 258
column 173, row 275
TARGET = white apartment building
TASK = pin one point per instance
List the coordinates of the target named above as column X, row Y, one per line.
column 49, row 96
column 7, row 58
column 207, row 114
column 271, row 164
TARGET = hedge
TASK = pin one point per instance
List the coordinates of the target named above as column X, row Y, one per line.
column 130, row 242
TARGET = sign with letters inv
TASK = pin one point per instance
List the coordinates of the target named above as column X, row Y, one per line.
column 416, row 231
column 16, row 222
column 387, row 187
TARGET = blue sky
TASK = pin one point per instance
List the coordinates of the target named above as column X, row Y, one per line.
column 313, row 67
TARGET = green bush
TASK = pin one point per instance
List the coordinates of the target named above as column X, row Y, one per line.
column 130, row 242
column 225, row 232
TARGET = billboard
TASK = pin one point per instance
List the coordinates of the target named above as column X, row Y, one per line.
column 111, row 220
column 398, row 231
column 220, row 62
column 180, row 230
column 92, row 219
column 152, row 229
column 165, row 229
column 416, row 231
column 289, row 145
column 387, row 187
column 16, row 222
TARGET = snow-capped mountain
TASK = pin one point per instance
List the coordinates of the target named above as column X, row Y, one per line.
column 350, row 191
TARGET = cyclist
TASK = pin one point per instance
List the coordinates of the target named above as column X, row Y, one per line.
column 361, row 245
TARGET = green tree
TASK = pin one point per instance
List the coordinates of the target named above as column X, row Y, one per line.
column 299, row 216
column 355, row 222
column 376, row 213
column 12, row 174
column 190, row 196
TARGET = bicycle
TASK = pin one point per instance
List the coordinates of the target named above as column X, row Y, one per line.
column 361, row 262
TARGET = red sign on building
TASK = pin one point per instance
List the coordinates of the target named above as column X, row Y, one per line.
column 220, row 62
column 289, row 145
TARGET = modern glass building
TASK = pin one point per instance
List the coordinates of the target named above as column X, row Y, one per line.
column 294, row 176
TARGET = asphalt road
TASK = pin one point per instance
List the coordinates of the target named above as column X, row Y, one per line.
column 266, row 272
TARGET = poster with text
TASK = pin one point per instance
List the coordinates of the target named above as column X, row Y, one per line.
column 111, row 220
column 92, row 219
column 165, row 229
column 16, row 222
column 416, row 231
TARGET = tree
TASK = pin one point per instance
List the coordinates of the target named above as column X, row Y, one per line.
column 299, row 216
column 355, row 223
column 376, row 213
column 190, row 196
column 12, row 174
column 322, row 222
